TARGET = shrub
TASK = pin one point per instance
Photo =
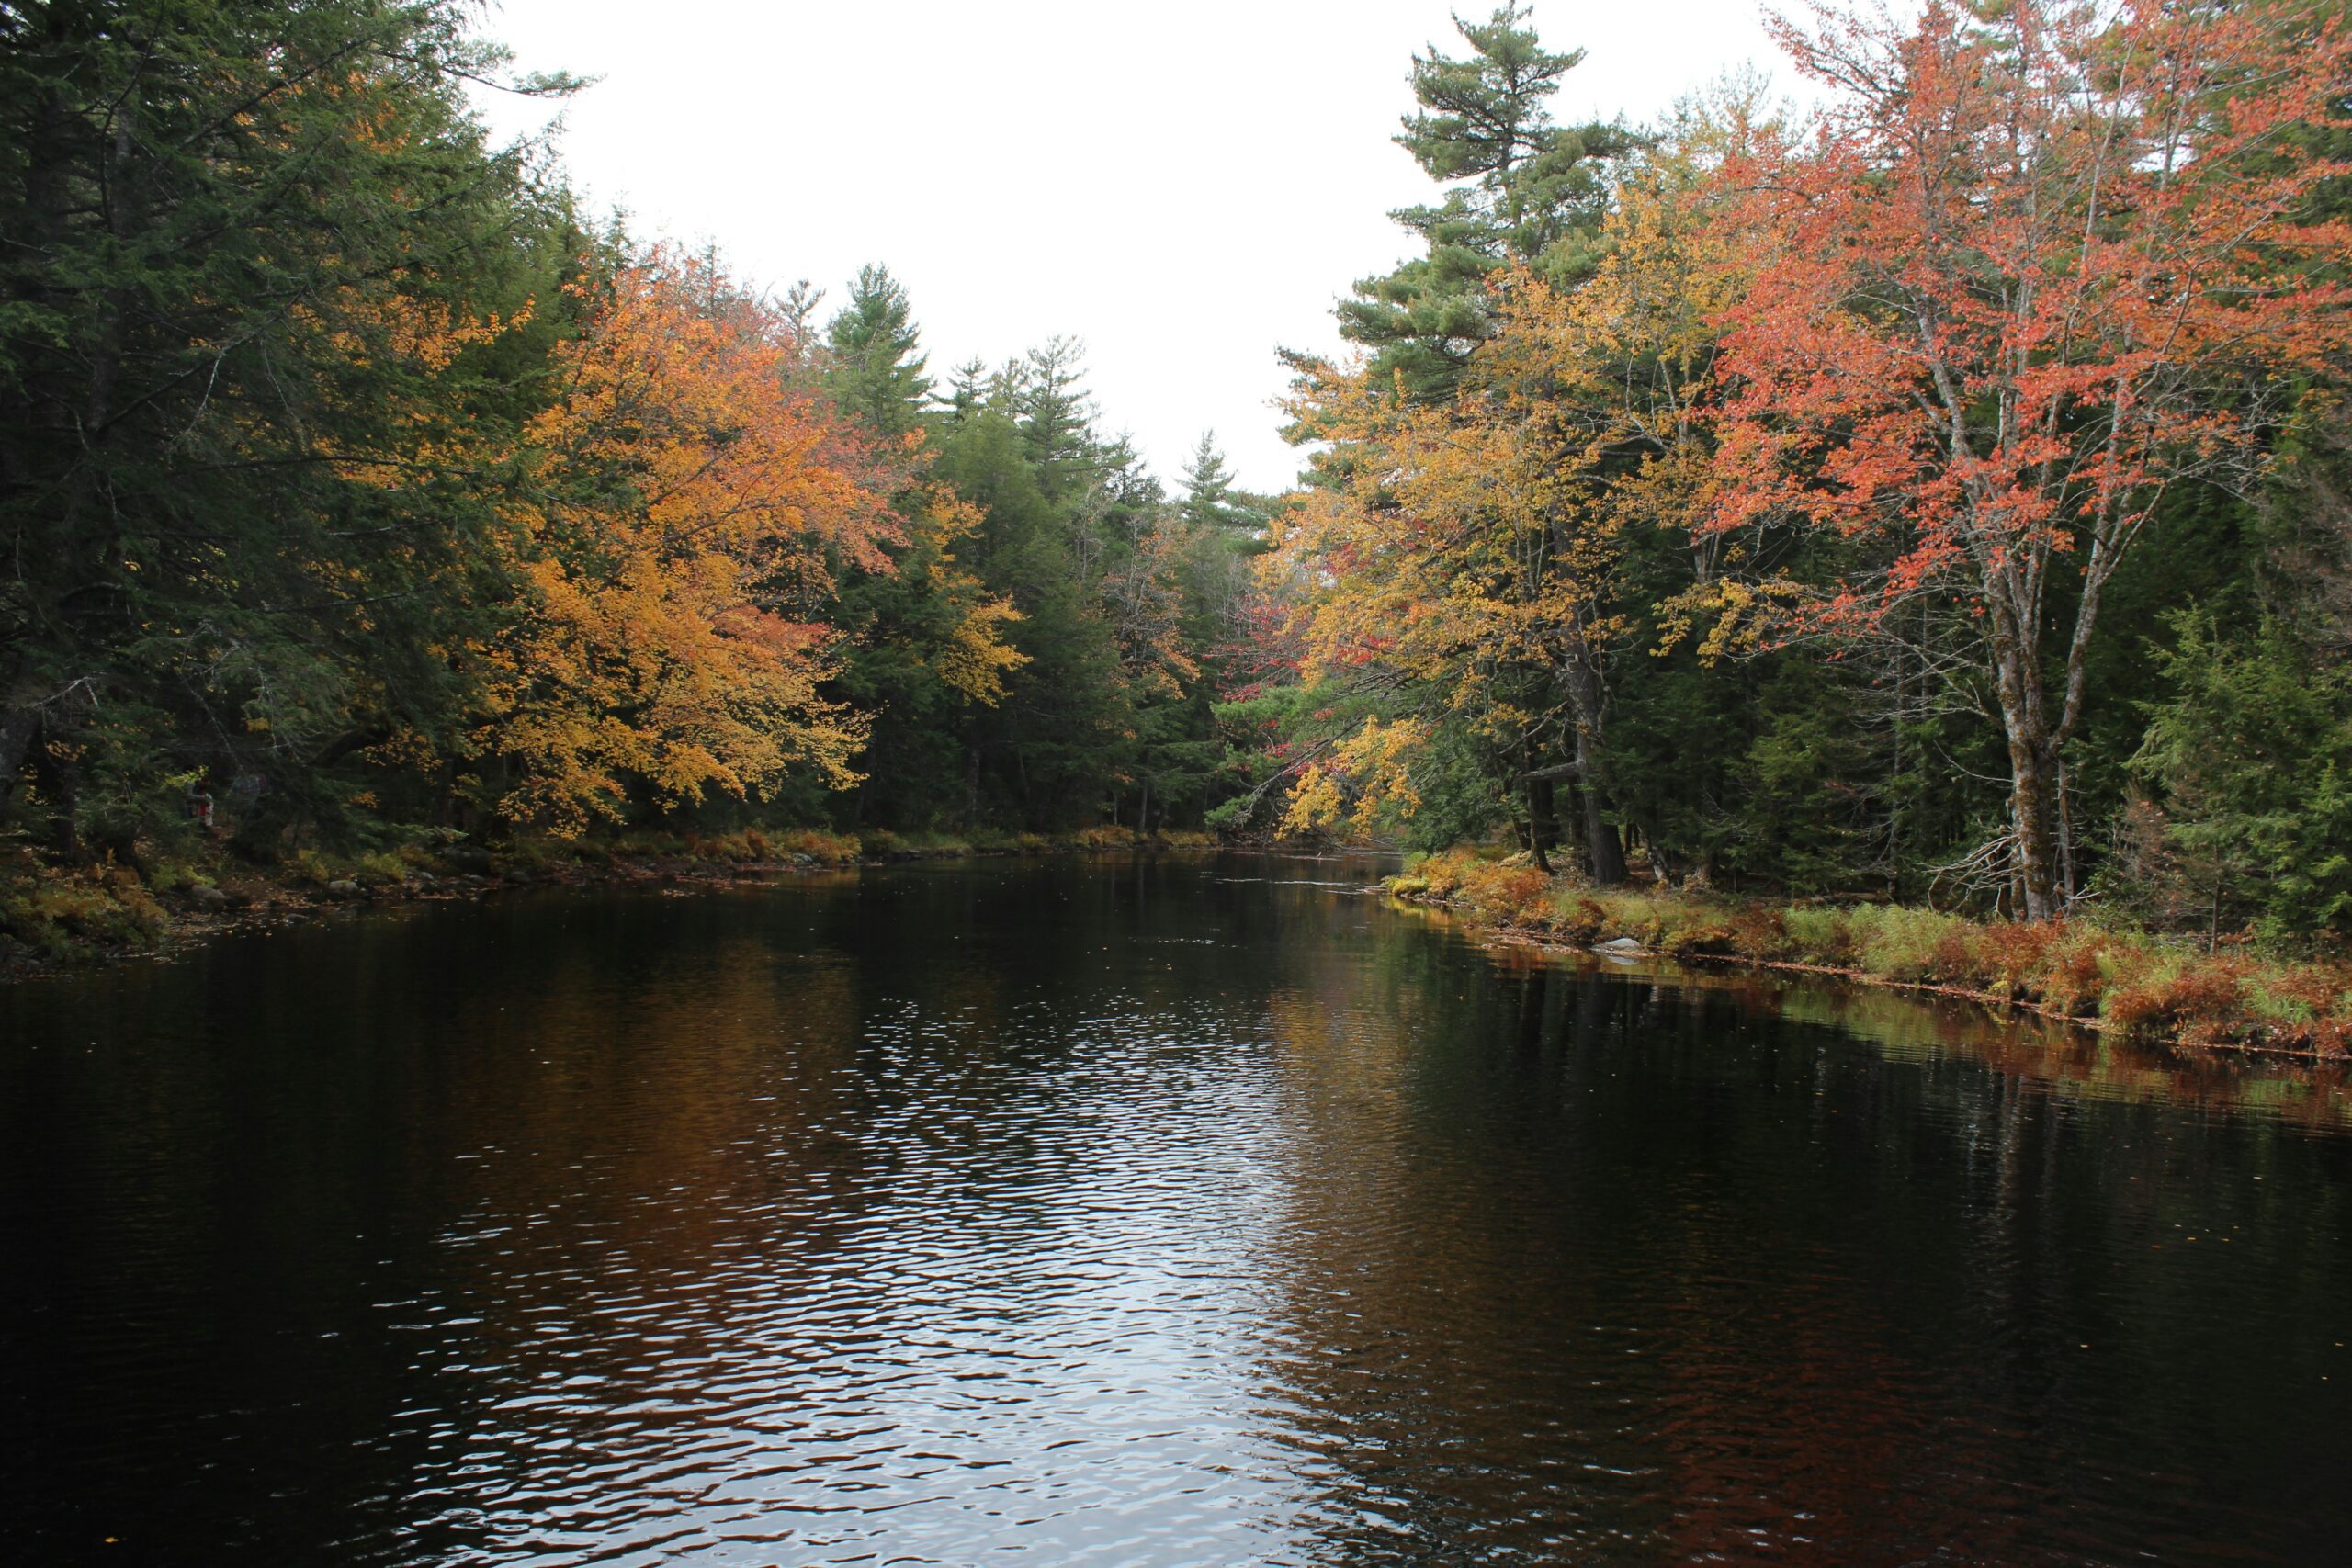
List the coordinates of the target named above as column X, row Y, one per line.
column 2073, row 976
column 1702, row 938
column 2010, row 956
column 833, row 849
column 1444, row 874
column 1898, row 944
column 1520, row 895
column 51, row 913
column 1758, row 932
column 2200, row 999
column 384, row 866
column 1575, row 916
column 1817, row 935
column 2295, row 997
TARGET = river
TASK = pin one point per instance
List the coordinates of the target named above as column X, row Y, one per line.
column 1192, row 1210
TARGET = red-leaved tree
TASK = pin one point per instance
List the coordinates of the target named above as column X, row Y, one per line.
column 2041, row 261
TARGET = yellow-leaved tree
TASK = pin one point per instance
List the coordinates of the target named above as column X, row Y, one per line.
column 1464, row 570
column 690, row 499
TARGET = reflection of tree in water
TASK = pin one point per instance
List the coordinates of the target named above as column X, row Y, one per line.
column 1581, row 1264
column 1242, row 1206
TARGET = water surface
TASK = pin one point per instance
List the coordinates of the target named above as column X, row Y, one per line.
column 1201, row 1210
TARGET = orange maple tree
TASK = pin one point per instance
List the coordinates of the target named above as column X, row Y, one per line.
column 2041, row 262
column 693, row 497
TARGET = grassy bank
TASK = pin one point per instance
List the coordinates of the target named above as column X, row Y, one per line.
column 54, row 913
column 2114, row 977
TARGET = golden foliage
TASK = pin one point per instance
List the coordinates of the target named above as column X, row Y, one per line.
column 690, row 500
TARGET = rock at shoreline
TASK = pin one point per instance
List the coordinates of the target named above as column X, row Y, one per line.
column 1622, row 947
column 208, row 898
column 346, row 889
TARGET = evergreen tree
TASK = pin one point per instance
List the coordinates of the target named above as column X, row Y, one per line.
column 1526, row 192
column 1046, row 393
column 968, row 389
column 1209, row 499
column 254, row 254
column 877, row 369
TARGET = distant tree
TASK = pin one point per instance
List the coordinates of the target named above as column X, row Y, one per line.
column 877, row 369
column 1209, row 487
column 1523, row 190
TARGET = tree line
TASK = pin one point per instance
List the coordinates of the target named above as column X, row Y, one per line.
column 355, row 484
column 1939, row 495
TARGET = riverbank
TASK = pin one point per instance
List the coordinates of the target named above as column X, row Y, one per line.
column 2109, row 977
column 55, row 915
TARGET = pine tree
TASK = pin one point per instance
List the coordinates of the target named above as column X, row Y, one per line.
column 968, row 389
column 1525, row 190
column 878, row 371
column 1045, row 392
column 1209, row 487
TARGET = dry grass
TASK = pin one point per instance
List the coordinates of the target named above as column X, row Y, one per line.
column 2129, row 980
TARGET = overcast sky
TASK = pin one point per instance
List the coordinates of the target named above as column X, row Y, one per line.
column 1184, row 186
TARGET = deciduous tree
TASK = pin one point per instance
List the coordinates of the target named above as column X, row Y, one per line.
column 2043, row 262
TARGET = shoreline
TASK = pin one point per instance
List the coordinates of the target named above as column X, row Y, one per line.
column 2122, row 985
column 175, row 921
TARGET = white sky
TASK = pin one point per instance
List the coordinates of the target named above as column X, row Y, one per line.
column 1183, row 185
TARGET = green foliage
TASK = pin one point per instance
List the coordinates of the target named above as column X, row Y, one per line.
column 878, row 367
column 233, row 540
column 1525, row 190
column 2252, row 753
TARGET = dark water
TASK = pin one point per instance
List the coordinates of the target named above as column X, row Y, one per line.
column 1180, row 1212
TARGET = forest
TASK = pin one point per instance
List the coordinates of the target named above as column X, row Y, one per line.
column 1941, row 496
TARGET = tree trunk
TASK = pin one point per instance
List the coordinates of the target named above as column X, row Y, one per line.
column 1539, row 814
column 1601, row 844
column 2033, row 773
column 1588, row 698
column 19, row 725
column 1538, row 851
column 2032, row 797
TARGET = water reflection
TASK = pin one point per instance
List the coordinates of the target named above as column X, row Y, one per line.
column 1191, row 1212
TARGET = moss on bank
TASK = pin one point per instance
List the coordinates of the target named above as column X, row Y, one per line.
column 55, row 913
column 2113, row 976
